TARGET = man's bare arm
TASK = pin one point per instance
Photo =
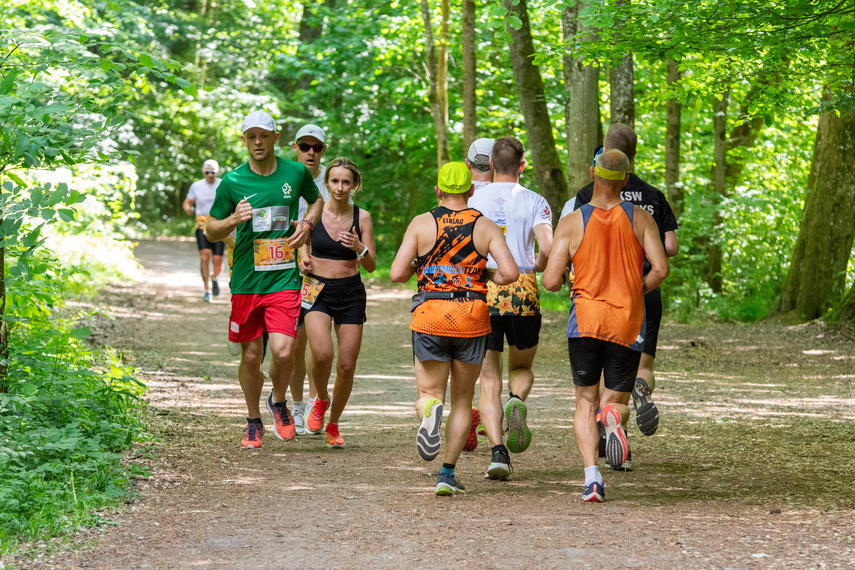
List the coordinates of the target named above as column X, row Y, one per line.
column 302, row 231
column 507, row 272
column 543, row 235
column 216, row 230
column 404, row 265
column 655, row 253
column 553, row 274
column 672, row 247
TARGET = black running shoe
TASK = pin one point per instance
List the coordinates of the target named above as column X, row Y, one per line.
column 446, row 485
column 500, row 466
column 215, row 287
column 646, row 413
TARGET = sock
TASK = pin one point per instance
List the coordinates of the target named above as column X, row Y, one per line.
column 298, row 405
column 512, row 395
column 253, row 420
column 447, row 468
column 499, row 447
column 207, row 290
column 593, row 475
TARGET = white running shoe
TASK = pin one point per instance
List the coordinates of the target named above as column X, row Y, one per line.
column 300, row 418
column 234, row 348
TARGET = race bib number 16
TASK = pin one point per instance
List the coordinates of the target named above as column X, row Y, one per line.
column 273, row 254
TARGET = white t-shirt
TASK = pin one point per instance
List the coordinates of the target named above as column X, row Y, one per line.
column 480, row 184
column 517, row 210
column 203, row 195
column 568, row 207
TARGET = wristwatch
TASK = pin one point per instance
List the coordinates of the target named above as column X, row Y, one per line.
column 363, row 254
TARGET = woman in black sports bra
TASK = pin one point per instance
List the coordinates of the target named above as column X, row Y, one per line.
column 333, row 293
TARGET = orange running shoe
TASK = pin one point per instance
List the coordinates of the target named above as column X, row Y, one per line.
column 283, row 421
column 334, row 439
column 315, row 419
column 252, row 436
column 472, row 442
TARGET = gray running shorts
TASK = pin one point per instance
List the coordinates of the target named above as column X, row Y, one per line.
column 446, row 348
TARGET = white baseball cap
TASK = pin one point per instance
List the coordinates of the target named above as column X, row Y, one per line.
column 211, row 164
column 260, row 119
column 311, row 131
column 480, row 152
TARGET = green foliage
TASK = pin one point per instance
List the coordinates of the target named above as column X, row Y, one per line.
column 68, row 413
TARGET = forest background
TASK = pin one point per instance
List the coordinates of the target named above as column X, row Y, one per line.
column 745, row 112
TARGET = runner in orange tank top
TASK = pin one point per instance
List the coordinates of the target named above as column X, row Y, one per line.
column 607, row 241
column 448, row 247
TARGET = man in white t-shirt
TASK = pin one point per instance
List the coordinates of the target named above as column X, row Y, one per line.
column 200, row 196
column 524, row 216
column 478, row 161
column 310, row 146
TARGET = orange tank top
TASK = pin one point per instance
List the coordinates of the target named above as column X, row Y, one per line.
column 453, row 264
column 608, row 298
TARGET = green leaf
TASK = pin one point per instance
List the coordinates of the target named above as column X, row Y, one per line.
column 188, row 87
column 8, row 82
column 514, row 21
column 82, row 332
column 768, row 119
column 145, row 59
column 66, row 214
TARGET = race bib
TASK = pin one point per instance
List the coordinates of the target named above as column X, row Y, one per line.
column 270, row 219
column 310, row 291
column 201, row 221
column 273, row 254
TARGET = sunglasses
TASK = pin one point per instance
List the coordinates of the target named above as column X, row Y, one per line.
column 306, row 146
column 208, row 172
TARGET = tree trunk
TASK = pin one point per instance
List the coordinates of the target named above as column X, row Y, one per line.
column 674, row 188
column 436, row 71
column 468, row 34
column 622, row 86
column 817, row 272
column 714, row 278
column 541, row 141
column 581, row 108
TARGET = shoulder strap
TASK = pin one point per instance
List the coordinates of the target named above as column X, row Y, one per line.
column 586, row 210
column 628, row 208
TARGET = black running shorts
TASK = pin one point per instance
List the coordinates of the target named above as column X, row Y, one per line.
column 217, row 247
column 591, row 357
column 342, row 299
column 521, row 331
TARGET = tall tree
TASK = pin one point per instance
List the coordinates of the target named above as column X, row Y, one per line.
column 541, row 141
column 817, row 272
column 622, row 81
column 720, row 104
column 436, row 70
column 673, row 127
column 470, row 104
column 581, row 108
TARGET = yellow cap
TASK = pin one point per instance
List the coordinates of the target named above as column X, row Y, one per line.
column 454, row 178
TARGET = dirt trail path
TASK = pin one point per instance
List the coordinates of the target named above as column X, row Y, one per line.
column 752, row 465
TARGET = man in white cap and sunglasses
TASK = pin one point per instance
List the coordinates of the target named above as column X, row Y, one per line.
column 199, row 198
column 261, row 199
column 310, row 145
column 478, row 162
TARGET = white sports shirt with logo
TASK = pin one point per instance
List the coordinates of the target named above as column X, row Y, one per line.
column 517, row 210
column 203, row 195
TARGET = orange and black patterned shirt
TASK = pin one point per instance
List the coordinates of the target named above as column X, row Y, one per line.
column 453, row 264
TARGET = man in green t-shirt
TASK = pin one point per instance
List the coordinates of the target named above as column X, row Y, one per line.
column 261, row 199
